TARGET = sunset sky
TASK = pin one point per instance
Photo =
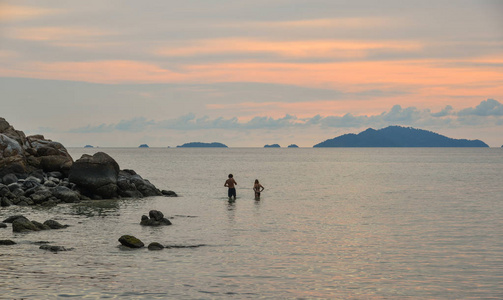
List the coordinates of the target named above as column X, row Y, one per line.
column 249, row 73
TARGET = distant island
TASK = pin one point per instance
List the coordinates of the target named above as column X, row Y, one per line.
column 293, row 146
column 272, row 146
column 143, row 146
column 88, row 146
column 202, row 145
column 398, row 136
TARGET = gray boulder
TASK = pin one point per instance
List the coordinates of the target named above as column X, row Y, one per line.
column 3, row 225
column 131, row 241
column 40, row 225
column 65, row 194
column 96, row 174
column 169, row 193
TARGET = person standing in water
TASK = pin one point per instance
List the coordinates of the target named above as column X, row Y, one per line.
column 231, row 184
column 257, row 188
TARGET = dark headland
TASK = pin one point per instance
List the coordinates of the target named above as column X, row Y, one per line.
column 398, row 136
column 202, row 145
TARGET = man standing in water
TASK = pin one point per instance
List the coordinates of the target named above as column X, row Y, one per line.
column 231, row 183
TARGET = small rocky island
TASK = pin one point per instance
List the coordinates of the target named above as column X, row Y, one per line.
column 272, row 146
column 143, row 146
column 202, row 145
column 293, row 146
column 398, row 136
column 38, row 171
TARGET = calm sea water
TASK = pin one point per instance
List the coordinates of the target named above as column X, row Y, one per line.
column 375, row 223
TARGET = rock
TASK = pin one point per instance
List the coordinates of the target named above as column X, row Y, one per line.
column 53, row 156
column 54, row 248
column 12, row 156
column 3, row 225
column 7, row 242
column 50, row 184
column 54, row 224
column 23, row 225
column 40, row 225
column 155, row 246
column 65, row 194
column 12, row 218
column 9, row 178
column 169, row 193
column 97, row 174
column 156, row 219
column 131, row 241
column 41, row 194
column 156, row 215
column 144, row 186
column 5, row 202
column 55, row 174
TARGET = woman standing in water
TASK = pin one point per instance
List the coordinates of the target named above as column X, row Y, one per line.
column 257, row 188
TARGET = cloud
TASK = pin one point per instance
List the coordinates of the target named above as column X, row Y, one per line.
column 487, row 112
column 444, row 112
column 10, row 13
column 489, row 107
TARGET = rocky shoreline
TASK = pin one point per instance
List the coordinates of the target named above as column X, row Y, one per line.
column 38, row 171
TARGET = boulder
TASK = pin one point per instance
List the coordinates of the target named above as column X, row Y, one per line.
column 96, row 174
column 40, row 225
column 54, row 224
column 12, row 218
column 53, row 156
column 156, row 219
column 41, row 195
column 155, row 246
column 9, row 178
column 131, row 241
column 65, row 194
column 7, row 242
column 23, row 225
column 3, row 225
column 12, row 157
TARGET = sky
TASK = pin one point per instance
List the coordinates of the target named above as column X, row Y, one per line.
column 249, row 73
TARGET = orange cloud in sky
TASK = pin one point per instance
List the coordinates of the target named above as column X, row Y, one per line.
column 14, row 12
column 115, row 71
column 300, row 49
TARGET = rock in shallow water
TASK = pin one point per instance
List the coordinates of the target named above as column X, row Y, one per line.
column 155, row 246
column 54, row 248
column 131, row 241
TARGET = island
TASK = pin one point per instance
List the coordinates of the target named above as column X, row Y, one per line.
column 143, row 146
column 398, row 136
column 88, row 146
column 293, row 146
column 272, row 146
column 202, row 145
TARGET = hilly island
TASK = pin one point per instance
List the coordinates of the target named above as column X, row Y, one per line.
column 398, row 136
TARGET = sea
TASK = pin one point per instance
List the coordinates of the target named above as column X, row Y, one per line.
column 332, row 223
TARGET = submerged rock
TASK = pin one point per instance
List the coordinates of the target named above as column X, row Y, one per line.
column 7, row 242
column 54, row 224
column 155, row 246
column 131, row 241
column 54, row 248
